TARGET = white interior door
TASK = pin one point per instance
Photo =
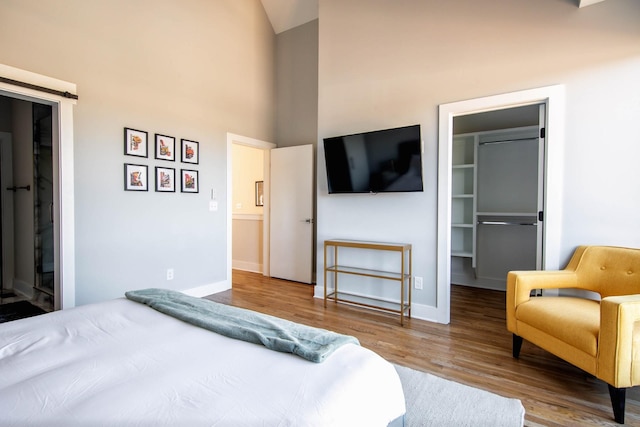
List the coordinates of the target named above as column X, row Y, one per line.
column 291, row 233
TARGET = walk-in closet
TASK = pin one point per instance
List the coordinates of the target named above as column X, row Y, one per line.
column 497, row 211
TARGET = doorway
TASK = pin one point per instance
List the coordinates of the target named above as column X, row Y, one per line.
column 248, row 208
column 60, row 96
column 27, row 181
column 283, row 211
column 265, row 147
column 553, row 97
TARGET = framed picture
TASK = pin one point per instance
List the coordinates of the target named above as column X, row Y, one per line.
column 259, row 193
column 135, row 177
column 189, row 180
column 135, row 142
column 190, row 151
column 165, row 179
column 165, row 147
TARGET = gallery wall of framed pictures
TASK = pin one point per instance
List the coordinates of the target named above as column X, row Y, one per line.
column 136, row 176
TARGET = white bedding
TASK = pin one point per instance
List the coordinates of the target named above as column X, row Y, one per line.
column 122, row 363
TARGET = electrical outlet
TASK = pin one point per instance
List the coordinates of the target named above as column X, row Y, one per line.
column 170, row 274
column 417, row 282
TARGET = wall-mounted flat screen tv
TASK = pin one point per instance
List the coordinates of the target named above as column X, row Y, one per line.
column 379, row 161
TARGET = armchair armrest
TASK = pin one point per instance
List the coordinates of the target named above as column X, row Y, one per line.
column 619, row 341
column 521, row 283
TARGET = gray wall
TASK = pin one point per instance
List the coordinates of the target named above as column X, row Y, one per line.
column 297, row 90
column 297, row 85
column 387, row 64
column 5, row 114
column 190, row 69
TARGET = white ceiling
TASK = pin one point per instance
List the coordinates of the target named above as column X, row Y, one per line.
column 584, row 3
column 287, row 14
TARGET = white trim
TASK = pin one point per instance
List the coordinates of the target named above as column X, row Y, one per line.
column 554, row 98
column 418, row 311
column 248, row 217
column 253, row 267
column 62, row 132
column 36, row 80
column 266, row 146
column 212, row 288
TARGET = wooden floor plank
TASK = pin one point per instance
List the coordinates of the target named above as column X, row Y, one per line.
column 474, row 349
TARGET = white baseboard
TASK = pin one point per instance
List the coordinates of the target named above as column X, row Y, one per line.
column 23, row 288
column 213, row 288
column 247, row 266
column 418, row 311
column 427, row 312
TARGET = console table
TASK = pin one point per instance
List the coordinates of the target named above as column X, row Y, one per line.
column 400, row 277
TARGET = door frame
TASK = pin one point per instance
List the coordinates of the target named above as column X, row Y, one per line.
column 266, row 147
column 63, row 170
column 554, row 99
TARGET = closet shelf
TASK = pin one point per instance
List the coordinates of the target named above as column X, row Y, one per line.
column 462, row 225
column 461, row 254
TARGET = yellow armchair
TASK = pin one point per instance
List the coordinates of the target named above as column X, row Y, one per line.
column 600, row 336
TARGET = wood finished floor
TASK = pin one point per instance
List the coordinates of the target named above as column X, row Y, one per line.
column 474, row 349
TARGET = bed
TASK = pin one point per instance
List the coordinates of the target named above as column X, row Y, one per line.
column 124, row 363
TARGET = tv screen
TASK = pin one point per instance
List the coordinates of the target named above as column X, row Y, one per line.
column 379, row 161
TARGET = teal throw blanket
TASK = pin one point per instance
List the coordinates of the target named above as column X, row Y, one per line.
column 310, row 343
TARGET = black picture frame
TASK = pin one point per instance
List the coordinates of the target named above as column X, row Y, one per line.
column 136, row 142
column 190, row 151
column 136, row 177
column 165, row 180
column 165, row 147
column 189, row 181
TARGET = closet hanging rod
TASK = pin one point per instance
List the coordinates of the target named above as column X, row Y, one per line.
column 504, row 141
column 506, row 223
column 38, row 88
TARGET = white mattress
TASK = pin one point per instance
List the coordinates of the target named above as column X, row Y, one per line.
column 122, row 363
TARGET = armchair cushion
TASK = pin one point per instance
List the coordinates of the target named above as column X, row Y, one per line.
column 575, row 321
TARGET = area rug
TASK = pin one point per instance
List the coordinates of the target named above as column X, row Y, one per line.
column 18, row 310
column 434, row 401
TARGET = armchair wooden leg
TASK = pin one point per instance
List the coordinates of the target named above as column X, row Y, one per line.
column 517, row 345
column 618, row 397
